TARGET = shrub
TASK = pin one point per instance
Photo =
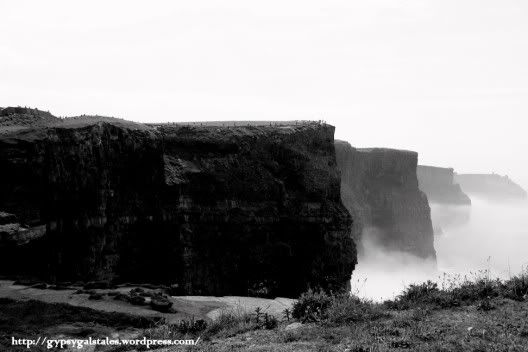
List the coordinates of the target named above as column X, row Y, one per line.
column 420, row 292
column 426, row 293
column 479, row 289
column 311, row 306
column 192, row 326
column 318, row 306
column 231, row 322
column 346, row 309
column 516, row 288
column 470, row 291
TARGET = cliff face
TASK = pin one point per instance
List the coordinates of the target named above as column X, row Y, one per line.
column 439, row 185
column 491, row 186
column 216, row 210
column 379, row 187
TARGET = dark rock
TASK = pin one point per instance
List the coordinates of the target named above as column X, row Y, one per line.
column 17, row 235
column 174, row 290
column 85, row 292
column 137, row 300
column 6, row 218
column 160, row 304
column 59, row 287
column 95, row 297
column 439, row 185
column 122, row 297
column 127, row 201
column 40, row 286
column 137, row 291
column 380, row 189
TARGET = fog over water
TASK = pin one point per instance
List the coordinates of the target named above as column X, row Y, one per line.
column 489, row 235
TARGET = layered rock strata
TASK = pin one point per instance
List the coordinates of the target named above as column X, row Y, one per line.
column 440, row 187
column 379, row 187
column 217, row 210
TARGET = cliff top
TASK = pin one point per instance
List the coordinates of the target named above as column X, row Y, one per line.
column 491, row 183
column 450, row 169
column 14, row 119
column 17, row 119
column 386, row 150
column 242, row 123
column 375, row 149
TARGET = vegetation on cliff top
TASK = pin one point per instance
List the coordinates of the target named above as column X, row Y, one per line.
column 480, row 314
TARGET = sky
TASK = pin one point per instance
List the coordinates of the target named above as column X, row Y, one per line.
column 447, row 78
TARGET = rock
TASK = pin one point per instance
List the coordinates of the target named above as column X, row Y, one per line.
column 27, row 282
column 98, row 285
column 85, row 292
column 137, row 291
column 440, row 187
column 7, row 218
column 491, row 186
column 379, row 187
column 59, row 287
column 40, row 286
column 293, row 326
column 160, row 304
column 174, row 290
column 18, row 235
column 123, row 297
column 137, row 300
column 126, row 200
column 95, row 297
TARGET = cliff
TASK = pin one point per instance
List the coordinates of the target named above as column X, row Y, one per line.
column 439, row 185
column 233, row 210
column 379, row 188
column 491, row 186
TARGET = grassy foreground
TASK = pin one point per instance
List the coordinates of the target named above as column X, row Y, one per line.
column 463, row 315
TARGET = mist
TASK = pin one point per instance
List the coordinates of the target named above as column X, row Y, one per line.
column 489, row 236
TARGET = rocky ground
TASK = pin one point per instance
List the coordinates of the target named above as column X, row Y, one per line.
column 505, row 328
column 484, row 315
column 149, row 301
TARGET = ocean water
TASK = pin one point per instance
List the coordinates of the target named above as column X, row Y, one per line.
column 490, row 236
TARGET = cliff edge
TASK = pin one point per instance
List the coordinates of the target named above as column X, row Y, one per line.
column 215, row 210
column 379, row 188
column 439, row 185
column 491, row 186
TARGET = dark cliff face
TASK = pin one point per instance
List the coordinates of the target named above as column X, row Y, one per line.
column 379, row 187
column 439, row 185
column 217, row 210
column 491, row 186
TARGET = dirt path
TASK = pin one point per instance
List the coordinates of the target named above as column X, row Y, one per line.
column 186, row 307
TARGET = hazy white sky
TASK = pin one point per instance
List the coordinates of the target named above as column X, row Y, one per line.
column 446, row 78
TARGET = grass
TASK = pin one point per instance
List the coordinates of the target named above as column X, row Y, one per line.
column 462, row 292
column 28, row 319
column 478, row 314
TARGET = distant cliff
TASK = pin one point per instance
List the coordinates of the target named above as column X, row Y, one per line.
column 439, row 185
column 231, row 210
column 380, row 189
column 491, row 185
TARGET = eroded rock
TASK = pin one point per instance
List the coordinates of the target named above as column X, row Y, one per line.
column 380, row 189
column 229, row 209
column 440, row 187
